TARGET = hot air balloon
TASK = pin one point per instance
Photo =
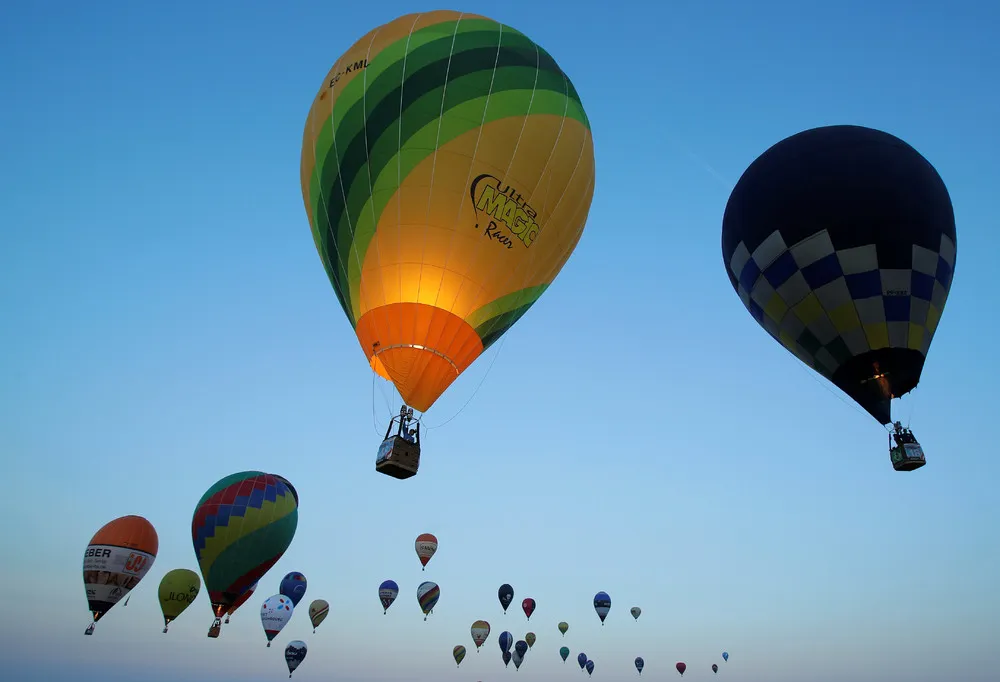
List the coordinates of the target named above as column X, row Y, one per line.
column 725, row 656
column 715, row 668
column 602, row 604
column 681, row 667
column 530, row 639
column 505, row 640
column 582, row 660
column 506, row 595
column 440, row 224
column 517, row 657
column 178, row 589
column 521, row 647
column 387, row 592
column 506, row 656
column 116, row 559
column 528, row 606
column 293, row 586
column 480, row 631
column 426, row 545
column 563, row 628
column 295, row 653
column 639, row 664
column 241, row 527
column 240, row 601
column 636, row 612
column 428, row 594
column 564, row 653
column 841, row 243
column 275, row 613
column 590, row 667
column 318, row 612
column 459, row 653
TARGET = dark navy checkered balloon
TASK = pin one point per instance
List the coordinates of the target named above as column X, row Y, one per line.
column 840, row 241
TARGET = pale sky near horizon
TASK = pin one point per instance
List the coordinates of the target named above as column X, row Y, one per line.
column 167, row 322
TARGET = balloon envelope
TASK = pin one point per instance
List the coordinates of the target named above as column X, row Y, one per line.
column 530, row 639
column 636, row 612
column 841, row 243
column 521, row 647
column 590, row 667
column 602, row 604
column 725, row 655
column 528, row 606
column 517, row 658
column 387, row 592
column 582, row 660
column 506, row 641
column 564, row 653
column 445, row 189
column 715, row 668
column 506, row 595
column 428, row 594
column 241, row 600
column 459, row 653
column 480, row 631
column 426, row 545
column 563, row 627
column 116, row 559
column 681, row 667
column 241, row 527
column 293, row 586
column 639, row 664
column 275, row 613
column 506, row 656
column 318, row 611
column 178, row 589
column 295, row 653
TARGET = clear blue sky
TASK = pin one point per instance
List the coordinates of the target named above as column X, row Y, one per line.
column 166, row 321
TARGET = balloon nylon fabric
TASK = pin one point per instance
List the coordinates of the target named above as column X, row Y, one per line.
column 447, row 173
column 841, row 243
column 241, row 527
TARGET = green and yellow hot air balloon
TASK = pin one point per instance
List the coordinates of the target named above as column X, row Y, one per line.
column 241, row 527
column 447, row 173
column 178, row 589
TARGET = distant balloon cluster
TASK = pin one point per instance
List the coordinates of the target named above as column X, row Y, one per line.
column 241, row 526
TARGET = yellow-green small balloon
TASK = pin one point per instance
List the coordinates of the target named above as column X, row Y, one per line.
column 178, row 589
column 530, row 639
column 563, row 627
column 459, row 654
column 318, row 611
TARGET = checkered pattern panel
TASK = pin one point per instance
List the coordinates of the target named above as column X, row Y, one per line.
column 827, row 305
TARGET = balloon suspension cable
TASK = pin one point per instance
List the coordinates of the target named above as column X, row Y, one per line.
column 840, row 396
column 503, row 340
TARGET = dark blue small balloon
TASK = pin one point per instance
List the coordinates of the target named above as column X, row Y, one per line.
column 293, row 586
column 521, row 647
column 582, row 660
column 506, row 641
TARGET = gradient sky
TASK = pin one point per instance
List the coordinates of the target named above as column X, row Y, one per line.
column 166, row 321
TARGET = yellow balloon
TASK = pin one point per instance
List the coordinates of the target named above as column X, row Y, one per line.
column 178, row 589
column 447, row 172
